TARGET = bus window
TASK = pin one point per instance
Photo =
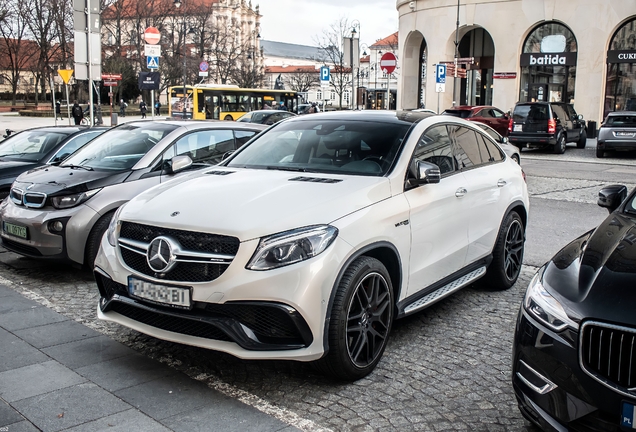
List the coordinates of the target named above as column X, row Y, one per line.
column 228, row 104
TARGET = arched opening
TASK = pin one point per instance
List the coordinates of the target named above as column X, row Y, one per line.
column 620, row 84
column 548, row 64
column 413, row 93
column 475, row 68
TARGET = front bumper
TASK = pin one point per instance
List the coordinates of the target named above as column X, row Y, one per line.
column 274, row 314
column 41, row 242
column 551, row 389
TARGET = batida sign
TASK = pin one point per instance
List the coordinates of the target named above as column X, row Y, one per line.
column 548, row 59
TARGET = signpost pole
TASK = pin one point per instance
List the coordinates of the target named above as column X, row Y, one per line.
column 53, row 98
column 152, row 103
column 110, row 95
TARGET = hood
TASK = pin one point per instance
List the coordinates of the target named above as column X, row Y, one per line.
column 55, row 180
column 250, row 203
column 10, row 167
column 596, row 273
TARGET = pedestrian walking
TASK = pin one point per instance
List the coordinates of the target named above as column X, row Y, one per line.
column 143, row 108
column 77, row 113
column 58, row 110
column 122, row 108
column 157, row 108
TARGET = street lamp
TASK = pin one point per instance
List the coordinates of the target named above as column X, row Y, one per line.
column 355, row 24
column 364, row 47
column 177, row 4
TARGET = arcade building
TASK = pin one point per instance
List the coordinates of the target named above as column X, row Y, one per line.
column 579, row 52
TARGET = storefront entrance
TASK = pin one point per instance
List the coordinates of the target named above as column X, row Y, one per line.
column 620, row 93
column 476, row 88
column 548, row 64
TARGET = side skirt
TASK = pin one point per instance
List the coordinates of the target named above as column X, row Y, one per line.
column 443, row 288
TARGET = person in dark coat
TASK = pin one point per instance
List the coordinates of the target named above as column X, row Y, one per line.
column 143, row 108
column 58, row 110
column 77, row 113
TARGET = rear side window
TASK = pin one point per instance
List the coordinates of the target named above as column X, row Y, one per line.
column 560, row 112
column 243, row 136
column 492, row 152
column 536, row 112
column 468, row 150
column 434, row 147
column 207, row 146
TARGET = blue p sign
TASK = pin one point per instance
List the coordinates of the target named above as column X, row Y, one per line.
column 324, row 74
column 441, row 74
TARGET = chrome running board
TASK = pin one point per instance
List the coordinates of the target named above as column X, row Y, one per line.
column 445, row 291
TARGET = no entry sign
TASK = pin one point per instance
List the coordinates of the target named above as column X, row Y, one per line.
column 388, row 62
column 152, row 35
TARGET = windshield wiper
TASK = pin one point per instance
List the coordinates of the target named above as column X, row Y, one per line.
column 283, row 168
column 87, row 168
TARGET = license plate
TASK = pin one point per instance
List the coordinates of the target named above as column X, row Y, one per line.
column 624, row 134
column 517, row 128
column 16, row 230
column 628, row 416
column 161, row 294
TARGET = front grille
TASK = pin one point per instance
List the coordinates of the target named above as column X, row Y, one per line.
column 181, row 272
column 315, row 180
column 266, row 322
column 609, row 352
column 170, row 323
column 21, row 248
column 189, row 241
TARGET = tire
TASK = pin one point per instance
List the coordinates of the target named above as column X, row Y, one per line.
column 582, row 140
column 361, row 320
column 507, row 255
column 95, row 238
column 559, row 147
column 228, row 118
column 600, row 153
column 516, row 159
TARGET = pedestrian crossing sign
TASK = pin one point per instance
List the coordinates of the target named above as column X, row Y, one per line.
column 153, row 62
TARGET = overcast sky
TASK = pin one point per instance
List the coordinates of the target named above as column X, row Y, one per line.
column 301, row 21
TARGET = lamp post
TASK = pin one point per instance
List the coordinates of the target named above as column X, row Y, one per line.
column 355, row 24
column 364, row 54
column 456, row 54
column 177, row 4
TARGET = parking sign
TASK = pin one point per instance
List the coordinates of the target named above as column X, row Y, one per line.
column 325, row 74
column 440, row 76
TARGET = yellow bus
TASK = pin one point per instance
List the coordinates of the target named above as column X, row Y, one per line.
column 225, row 102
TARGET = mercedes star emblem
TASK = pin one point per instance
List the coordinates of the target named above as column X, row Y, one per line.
column 160, row 254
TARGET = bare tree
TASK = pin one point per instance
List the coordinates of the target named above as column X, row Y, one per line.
column 15, row 51
column 249, row 73
column 330, row 43
column 302, row 79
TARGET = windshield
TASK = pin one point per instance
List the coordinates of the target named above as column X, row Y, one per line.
column 621, row 120
column 120, row 148
column 327, row 146
column 31, row 145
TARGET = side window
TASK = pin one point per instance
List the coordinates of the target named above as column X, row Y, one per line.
column 492, row 152
column 243, row 136
column 73, row 144
column 571, row 111
column 435, row 147
column 206, row 146
column 467, row 149
column 496, row 113
column 560, row 112
column 484, row 113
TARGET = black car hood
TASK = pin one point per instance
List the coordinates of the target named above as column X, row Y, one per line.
column 56, row 180
column 14, row 167
column 595, row 275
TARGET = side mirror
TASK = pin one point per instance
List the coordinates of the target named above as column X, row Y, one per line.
column 177, row 164
column 580, row 116
column 227, row 154
column 423, row 173
column 504, row 140
column 610, row 197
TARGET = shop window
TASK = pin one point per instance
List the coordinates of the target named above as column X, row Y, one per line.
column 620, row 85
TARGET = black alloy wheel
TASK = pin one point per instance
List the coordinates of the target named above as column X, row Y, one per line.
column 559, row 147
column 360, row 320
column 507, row 255
column 582, row 140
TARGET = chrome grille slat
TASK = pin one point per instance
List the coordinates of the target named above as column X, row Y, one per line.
column 606, row 353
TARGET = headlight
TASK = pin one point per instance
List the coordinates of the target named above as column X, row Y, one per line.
column 68, row 201
column 544, row 307
column 292, row 246
column 113, row 228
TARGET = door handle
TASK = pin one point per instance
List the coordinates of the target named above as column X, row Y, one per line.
column 460, row 192
column 501, row 183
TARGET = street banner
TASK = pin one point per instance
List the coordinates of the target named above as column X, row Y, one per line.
column 149, row 80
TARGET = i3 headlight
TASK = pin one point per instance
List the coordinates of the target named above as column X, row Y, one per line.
column 545, row 308
column 292, row 246
column 68, row 201
column 113, row 228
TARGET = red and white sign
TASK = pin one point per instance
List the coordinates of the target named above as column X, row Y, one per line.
column 110, row 83
column 504, row 75
column 111, row 77
column 388, row 62
column 152, row 35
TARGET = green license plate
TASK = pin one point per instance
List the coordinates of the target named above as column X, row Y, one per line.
column 16, row 230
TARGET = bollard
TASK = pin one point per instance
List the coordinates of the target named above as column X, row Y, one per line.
column 113, row 119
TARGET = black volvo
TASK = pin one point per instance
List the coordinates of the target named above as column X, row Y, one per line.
column 574, row 354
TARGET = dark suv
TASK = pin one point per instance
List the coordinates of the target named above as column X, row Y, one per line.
column 544, row 124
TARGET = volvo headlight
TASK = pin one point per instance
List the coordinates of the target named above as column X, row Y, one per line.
column 545, row 308
column 68, row 201
column 292, row 246
column 113, row 228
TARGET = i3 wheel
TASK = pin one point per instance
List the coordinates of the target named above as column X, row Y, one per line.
column 95, row 239
column 361, row 320
column 559, row 147
column 582, row 140
column 507, row 255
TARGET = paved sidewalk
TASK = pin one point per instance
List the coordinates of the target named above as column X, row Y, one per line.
column 16, row 122
column 57, row 374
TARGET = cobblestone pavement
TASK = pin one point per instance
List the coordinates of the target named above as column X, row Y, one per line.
column 446, row 368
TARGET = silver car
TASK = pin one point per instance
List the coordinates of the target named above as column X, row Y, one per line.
column 618, row 132
column 61, row 212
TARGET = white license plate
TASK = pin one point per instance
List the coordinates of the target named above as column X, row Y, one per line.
column 517, row 128
column 625, row 134
column 162, row 294
column 16, row 230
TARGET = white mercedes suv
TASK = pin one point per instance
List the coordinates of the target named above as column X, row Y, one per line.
column 311, row 239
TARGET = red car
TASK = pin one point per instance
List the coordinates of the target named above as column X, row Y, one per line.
column 493, row 117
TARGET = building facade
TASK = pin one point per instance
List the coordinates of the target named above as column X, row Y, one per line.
column 576, row 51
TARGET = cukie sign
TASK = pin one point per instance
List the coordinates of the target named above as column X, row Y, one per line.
column 548, row 59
